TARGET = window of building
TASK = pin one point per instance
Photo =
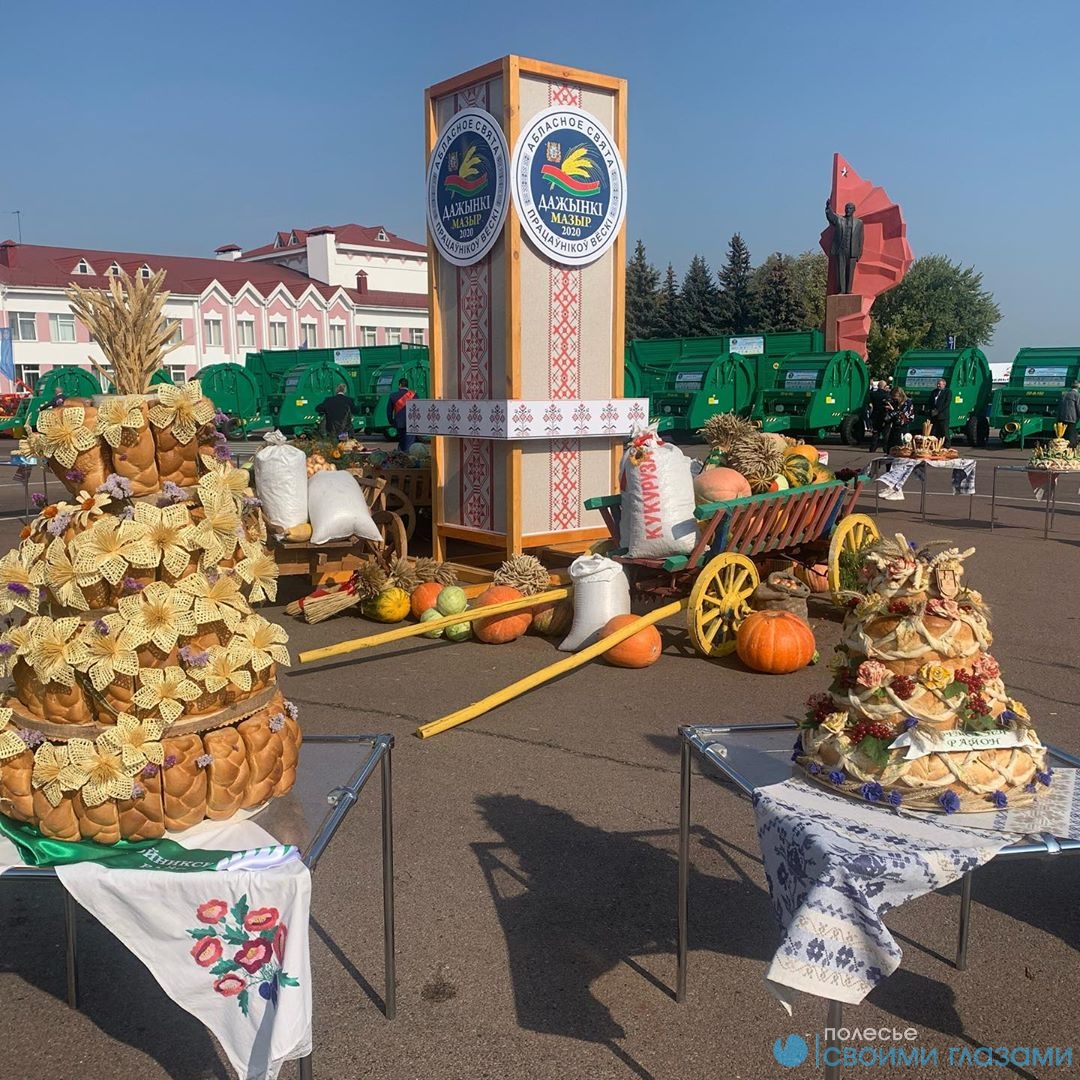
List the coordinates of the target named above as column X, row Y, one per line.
column 106, row 380
column 178, row 373
column 337, row 336
column 309, row 335
column 114, row 270
column 23, row 326
column 381, row 235
column 177, row 335
column 277, row 336
column 418, row 337
column 245, row 333
column 28, row 374
column 393, row 335
column 370, row 336
column 62, row 328
column 145, row 272
column 82, row 267
column 212, row 331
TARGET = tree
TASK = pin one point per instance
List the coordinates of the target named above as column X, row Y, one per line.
column 642, row 296
column 668, row 309
column 778, row 304
column 936, row 299
column 735, row 309
column 810, row 274
column 698, row 301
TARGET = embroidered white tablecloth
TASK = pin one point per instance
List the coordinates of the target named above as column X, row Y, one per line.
column 893, row 472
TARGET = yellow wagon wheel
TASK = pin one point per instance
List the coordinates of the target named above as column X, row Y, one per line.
column 718, row 603
column 852, row 533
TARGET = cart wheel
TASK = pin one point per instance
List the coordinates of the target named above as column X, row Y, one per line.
column 852, row 533
column 718, row 603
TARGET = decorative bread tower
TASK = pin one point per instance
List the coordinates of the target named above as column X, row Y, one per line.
column 1056, row 455
column 144, row 694
column 917, row 714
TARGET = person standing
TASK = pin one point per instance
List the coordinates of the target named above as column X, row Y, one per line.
column 336, row 412
column 1069, row 413
column 875, row 412
column 899, row 412
column 939, row 413
column 397, row 413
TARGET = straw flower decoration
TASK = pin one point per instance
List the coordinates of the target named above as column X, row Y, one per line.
column 116, row 413
column 260, row 643
column 65, row 433
column 34, row 445
column 97, row 772
column 109, row 547
column 138, row 742
column 215, row 600
column 223, row 668
column 54, row 651
column 217, row 533
column 258, row 569
column 166, row 690
column 159, row 614
column 86, row 507
column 14, row 642
column 11, row 745
column 183, row 409
column 109, row 651
column 63, row 580
column 50, row 763
column 21, row 575
column 224, row 479
column 168, row 532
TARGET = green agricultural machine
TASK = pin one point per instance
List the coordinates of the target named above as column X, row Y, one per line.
column 687, row 380
column 1027, row 407
column 235, row 392
column 377, row 369
column 813, row 394
column 968, row 380
column 70, row 381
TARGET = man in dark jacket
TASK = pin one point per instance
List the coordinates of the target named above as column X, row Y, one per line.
column 336, row 412
column 396, row 413
column 875, row 412
column 1069, row 412
column 939, row 413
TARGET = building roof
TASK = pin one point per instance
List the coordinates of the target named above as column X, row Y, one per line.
column 53, row 267
column 356, row 235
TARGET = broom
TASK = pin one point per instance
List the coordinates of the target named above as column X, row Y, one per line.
column 323, row 603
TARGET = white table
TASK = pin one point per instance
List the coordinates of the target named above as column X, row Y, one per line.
column 879, row 466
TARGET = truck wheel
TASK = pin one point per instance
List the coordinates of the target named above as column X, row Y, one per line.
column 971, row 430
column 852, row 429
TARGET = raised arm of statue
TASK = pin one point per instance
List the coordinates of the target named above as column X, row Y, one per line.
column 830, row 216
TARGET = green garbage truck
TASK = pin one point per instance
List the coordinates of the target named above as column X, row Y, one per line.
column 1026, row 408
column 968, row 380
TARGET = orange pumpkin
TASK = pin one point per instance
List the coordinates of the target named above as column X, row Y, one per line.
column 423, row 598
column 498, row 629
column 775, row 642
column 720, row 484
column 803, row 450
column 638, row 651
column 816, row 576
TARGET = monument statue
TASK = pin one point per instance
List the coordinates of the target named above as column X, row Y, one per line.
column 847, row 244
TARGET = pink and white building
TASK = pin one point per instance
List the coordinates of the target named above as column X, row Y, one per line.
column 328, row 287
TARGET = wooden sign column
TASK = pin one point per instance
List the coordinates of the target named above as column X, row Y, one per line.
column 526, row 354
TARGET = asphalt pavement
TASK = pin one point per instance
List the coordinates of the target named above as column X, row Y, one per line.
column 536, row 864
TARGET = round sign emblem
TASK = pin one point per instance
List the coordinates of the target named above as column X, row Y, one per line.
column 569, row 185
column 467, row 186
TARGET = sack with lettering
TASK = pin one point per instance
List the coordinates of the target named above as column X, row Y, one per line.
column 657, row 498
column 601, row 591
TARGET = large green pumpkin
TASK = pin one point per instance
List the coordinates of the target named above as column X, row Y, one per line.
column 798, row 470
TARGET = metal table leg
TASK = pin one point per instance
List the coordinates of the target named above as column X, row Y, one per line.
column 835, row 1019
column 684, row 870
column 922, row 499
column 71, row 910
column 965, row 922
column 993, row 497
column 305, row 1068
column 390, row 993
column 1051, row 504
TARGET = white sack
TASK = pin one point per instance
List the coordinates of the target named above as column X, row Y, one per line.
column 337, row 508
column 281, row 481
column 601, row 591
column 657, row 498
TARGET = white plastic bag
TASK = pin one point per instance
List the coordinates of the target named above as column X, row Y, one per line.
column 601, row 591
column 337, row 508
column 281, row 481
column 657, row 498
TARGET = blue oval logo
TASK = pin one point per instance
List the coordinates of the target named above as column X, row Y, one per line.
column 791, row 1053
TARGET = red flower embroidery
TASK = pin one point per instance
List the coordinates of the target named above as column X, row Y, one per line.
column 230, row 985
column 280, row 934
column 253, row 954
column 207, row 951
column 261, row 919
column 212, row 911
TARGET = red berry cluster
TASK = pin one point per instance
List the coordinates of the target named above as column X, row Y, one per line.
column 818, row 706
column 903, row 686
column 899, row 607
column 975, row 683
column 978, row 705
column 864, row 728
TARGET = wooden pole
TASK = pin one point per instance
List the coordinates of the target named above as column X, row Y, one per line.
column 500, row 697
column 415, row 630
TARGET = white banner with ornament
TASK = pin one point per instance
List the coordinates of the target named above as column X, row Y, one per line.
column 513, row 418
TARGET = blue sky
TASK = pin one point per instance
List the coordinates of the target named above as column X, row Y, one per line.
column 176, row 128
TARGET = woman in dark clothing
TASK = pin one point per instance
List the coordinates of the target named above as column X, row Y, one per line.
column 899, row 411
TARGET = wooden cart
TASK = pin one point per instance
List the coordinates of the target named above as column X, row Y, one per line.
column 807, row 524
column 407, row 492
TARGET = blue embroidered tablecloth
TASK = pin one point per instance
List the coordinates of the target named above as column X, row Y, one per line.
column 836, row 866
column 893, row 472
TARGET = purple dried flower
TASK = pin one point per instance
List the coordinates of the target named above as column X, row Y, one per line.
column 219, row 438
column 101, row 626
column 894, row 798
column 813, row 768
column 343, row 437
column 251, row 503
column 910, row 722
column 796, row 754
column 150, row 770
column 291, row 710
column 872, row 792
column 1030, row 788
column 277, row 722
column 6, row 648
column 949, row 801
column 129, row 584
column 999, row 799
column 18, row 588
column 170, row 761
column 220, row 418
column 194, row 658
column 173, row 492
column 116, row 487
column 837, row 776
column 222, row 452
column 38, row 499
column 1045, row 778
column 58, row 525
column 31, row 738
column 137, row 791
column 1007, row 715
column 76, row 476
column 203, row 760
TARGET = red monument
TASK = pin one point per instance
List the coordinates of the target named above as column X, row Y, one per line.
column 881, row 256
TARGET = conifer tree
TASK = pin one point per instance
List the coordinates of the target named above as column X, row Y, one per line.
column 778, row 302
column 669, row 319
column 642, row 296
column 698, row 301
column 735, row 308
